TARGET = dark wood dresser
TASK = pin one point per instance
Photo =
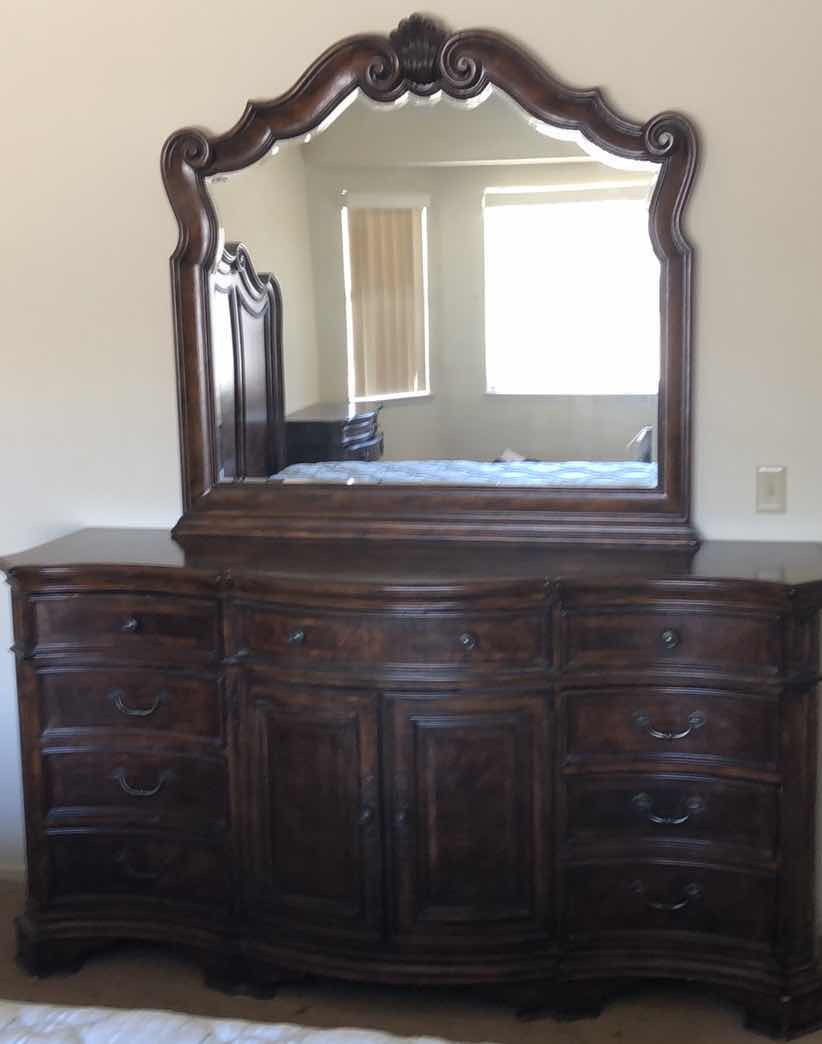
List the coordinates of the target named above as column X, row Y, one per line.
column 557, row 771
column 333, row 431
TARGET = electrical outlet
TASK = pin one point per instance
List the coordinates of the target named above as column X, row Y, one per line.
column 772, row 488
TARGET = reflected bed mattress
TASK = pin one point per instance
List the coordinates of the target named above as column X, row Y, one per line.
column 605, row 473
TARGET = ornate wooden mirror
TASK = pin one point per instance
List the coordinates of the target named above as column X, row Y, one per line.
column 489, row 255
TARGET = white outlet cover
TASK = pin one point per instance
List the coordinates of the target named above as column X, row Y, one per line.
column 772, row 488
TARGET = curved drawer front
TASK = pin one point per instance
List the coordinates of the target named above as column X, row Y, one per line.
column 651, row 897
column 626, row 810
column 126, row 626
column 164, row 703
column 672, row 725
column 152, row 789
column 629, row 638
column 97, row 866
column 505, row 639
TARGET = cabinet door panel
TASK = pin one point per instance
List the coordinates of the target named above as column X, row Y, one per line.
column 314, row 795
column 469, row 817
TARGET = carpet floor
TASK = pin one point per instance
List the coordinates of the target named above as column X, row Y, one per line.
column 145, row 977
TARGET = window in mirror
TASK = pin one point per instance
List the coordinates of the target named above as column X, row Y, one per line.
column 550, row 253
column 385, row 261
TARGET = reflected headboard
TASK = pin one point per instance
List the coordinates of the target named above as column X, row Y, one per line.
column 246, row 352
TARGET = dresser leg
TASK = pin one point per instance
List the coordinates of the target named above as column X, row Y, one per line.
column 42, row 957
column 786, row 1017
column 236, row 976
column 566, row 1002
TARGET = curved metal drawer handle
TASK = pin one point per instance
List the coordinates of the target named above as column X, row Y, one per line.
column 128, row 870
column 119, row 776
column 132, row 625
column 118, row 698
column 693, row 892
column 696, row 719
column 643, row 802
column 296, row 637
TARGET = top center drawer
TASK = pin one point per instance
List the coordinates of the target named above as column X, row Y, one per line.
column 312, row 638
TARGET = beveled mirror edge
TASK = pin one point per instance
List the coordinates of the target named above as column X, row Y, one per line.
column 421, row 57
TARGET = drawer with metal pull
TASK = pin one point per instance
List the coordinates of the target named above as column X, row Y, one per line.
column 510, row 639
column 167, row 704
column 125, row 626
column 627, row 637
column 143, row 788
column 671, row 725
column 637, row 897
column 617, row 810
column 118, row 865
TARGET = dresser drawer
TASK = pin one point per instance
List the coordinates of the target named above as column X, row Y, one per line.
column 95, row 866
column 131, row 700
column 641, row 897
column 161, row 790
column 617, row 809
column 506, row 639
column 630, row 638
column 126, row 626
column 672, row 725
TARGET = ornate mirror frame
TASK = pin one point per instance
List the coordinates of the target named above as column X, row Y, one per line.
column 422, row 57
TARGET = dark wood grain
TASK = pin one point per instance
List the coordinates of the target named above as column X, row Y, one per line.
column 165, row 706
column 645, row 898
column 657, row 811
column 382, row 801
column 464, row 876
column 304, row 636
column 623, row 724
column 141, row 788
column 316, row 816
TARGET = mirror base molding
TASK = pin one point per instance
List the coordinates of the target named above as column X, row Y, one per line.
column 327, row 514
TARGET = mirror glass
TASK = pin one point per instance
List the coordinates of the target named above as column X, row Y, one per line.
column 469, row 297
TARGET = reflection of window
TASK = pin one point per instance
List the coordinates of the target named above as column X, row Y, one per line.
column 571, row 293
column 385, row 258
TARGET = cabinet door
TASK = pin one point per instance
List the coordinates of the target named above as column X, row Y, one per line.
column 469, row 815
column 314, row 814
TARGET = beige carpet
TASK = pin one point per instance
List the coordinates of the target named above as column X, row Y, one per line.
column 139, row 977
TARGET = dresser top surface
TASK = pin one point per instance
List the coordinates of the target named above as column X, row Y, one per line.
column 783, row 563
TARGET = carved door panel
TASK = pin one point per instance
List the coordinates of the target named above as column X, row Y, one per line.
column 469, row 818
column 315, row 817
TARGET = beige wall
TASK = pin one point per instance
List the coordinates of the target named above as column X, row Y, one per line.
column 90, row 89
column 266, row 208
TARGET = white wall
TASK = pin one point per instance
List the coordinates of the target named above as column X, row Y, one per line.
column 91, row 88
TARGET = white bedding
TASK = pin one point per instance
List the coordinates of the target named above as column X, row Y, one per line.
column 35, row 1023
column 598, row 473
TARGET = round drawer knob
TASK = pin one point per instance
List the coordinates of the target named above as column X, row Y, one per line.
column 670, row 638
column 131, row 626
column 296, row 637
column 468, row 641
